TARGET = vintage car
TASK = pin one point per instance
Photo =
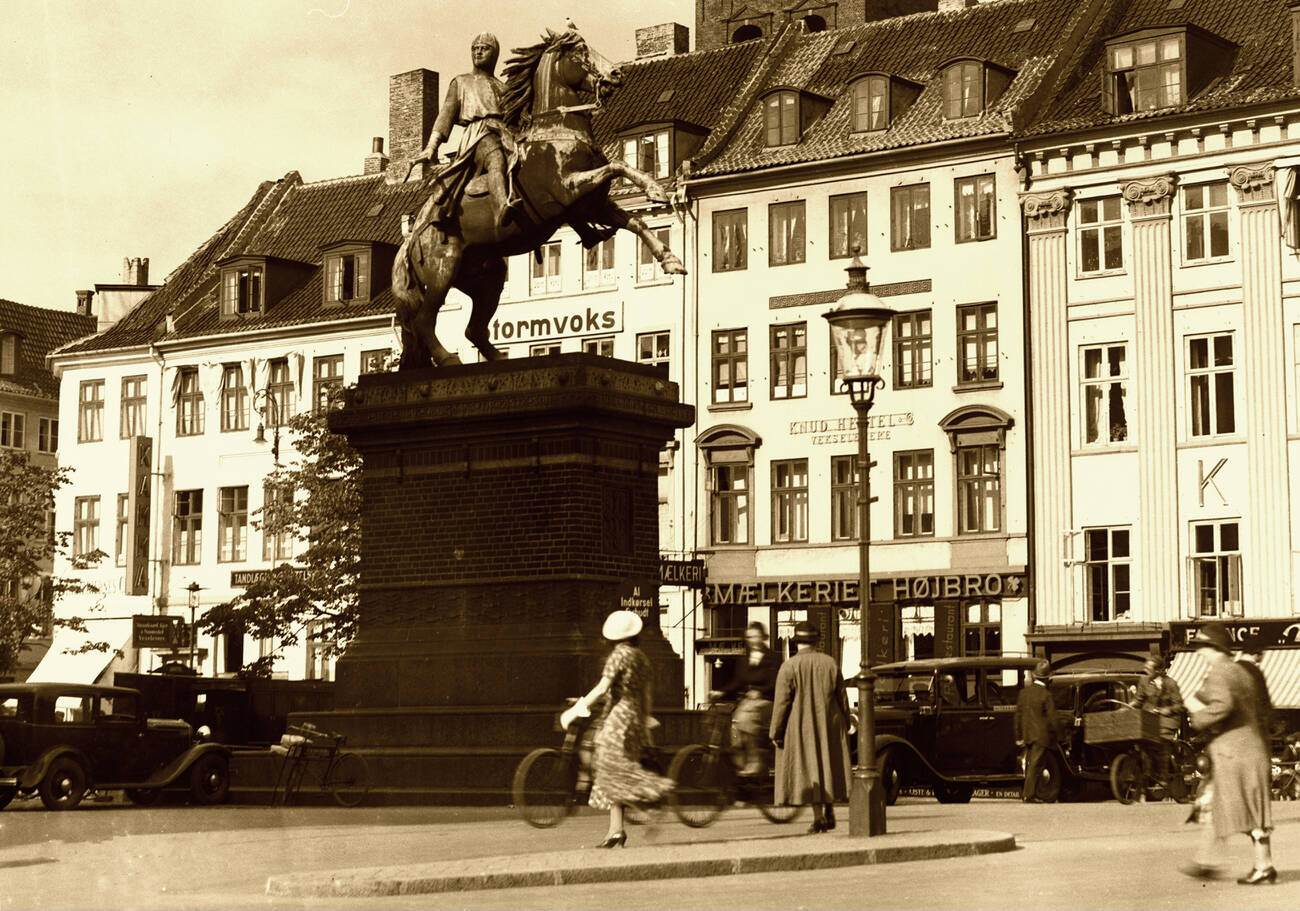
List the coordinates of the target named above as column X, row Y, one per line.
column 60, row 740
column 948, row 724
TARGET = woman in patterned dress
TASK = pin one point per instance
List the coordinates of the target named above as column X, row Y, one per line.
column 619, row 779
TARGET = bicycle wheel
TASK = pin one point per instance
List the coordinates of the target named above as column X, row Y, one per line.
column 777, row 814
column 349, row 779
column 544, row 787
column 699, row 796
column 1126, row 777
column 1182, row 772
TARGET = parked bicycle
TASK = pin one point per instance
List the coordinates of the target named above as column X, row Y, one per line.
column 1286, row 769
column 550, row 784
column 311, row 752
column 709, row 780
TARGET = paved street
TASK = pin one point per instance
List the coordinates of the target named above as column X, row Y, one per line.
column 1097, row 855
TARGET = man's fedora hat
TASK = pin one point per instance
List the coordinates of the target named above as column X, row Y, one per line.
column 806, row 632
column 1213, row 635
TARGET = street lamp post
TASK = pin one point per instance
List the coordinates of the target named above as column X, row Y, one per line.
column 271, row 404
column 193, row 588
column 859, row 323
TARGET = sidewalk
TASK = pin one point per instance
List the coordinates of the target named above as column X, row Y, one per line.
column 668, row 861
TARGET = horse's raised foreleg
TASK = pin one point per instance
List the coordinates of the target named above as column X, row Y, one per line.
column 580, row 183
column 611, row 213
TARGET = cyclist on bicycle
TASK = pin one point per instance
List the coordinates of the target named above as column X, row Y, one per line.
column 756, row 679
column 1159, row 693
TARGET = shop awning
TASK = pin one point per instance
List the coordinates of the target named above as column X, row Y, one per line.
column 63, row 663
column 1281, row 669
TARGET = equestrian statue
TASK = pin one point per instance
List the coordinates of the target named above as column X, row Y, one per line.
column 528, row 163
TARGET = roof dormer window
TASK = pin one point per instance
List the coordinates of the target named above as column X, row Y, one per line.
column 971, row 87
column 8, row 354
column 347, row 276
column 787, row 115
column 879, row 100
column 1161, row 68
column 649, row 152
column 242, row 290
column 251, row 285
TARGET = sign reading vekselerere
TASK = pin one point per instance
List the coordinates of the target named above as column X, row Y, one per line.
column 526, row 323
column 157, row 631
column 829, row 431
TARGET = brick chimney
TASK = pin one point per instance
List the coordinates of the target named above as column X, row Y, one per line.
column 135, row 270
column 83, row 302
column 664, row 40
column 412, row 109
column 376, row 161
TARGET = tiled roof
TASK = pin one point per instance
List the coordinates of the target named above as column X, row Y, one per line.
column 42, row 330
column 1021, row 35
column 1260, row 69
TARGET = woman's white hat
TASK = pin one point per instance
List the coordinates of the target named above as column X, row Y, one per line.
column 620, row 625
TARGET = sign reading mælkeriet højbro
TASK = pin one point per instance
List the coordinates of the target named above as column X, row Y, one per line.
column 526, row 323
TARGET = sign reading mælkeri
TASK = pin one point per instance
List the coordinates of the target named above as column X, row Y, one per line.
column 138, row 511
column 686, row 573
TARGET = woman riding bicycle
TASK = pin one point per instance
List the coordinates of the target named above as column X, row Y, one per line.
column 756, row 680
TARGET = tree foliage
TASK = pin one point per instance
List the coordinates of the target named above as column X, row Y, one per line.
column 28, row 545
column 323, row 519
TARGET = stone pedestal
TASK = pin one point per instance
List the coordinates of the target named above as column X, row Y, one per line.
column 507, row 508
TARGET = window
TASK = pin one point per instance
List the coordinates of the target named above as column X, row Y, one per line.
column 649, row 153
column 975, row 208
column 848, row 225
column 134, row 405
column 730, row 240
column 327, row 377
column 913, row 346
column 90, row 411
column 1101, row 235
column 120, row 543
column 85, row 526
column 603, row 346
column 232, row 525
column 234, row 398
column 1145, row 75
column 546, row 270
column 1205, row 221
column 870, row 104
column 279, row 392
column 73, row 710
column 910, row 226
column 1216, row 569
column 977, row 343
column 1108, row 562
column 790, row 501
column 914, row 493
column 730, row 366
column 47, row 435
column 187, row 528
column 277, row 506
column 982, row 631
column 320, row 646
column 729, row 504
column 653, row 348
column 1105, row 393
column 13, row 430
column 963, row 90
column 647, row 267
column 789, row 345
column 781, row 118
column 785, row 222
column 189, row 403
column 543, row 349
column 376, row 360
column 347, row 277
column 979, row 489
column 118, row 707
column 241, row 292
column 1210, row 381
column 844, row 498
column 8, row 354
column 598, row 265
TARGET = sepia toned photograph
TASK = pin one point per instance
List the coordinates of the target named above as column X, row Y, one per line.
column 649, row 454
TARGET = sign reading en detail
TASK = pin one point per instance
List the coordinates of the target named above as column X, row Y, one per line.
column 1282, row 633
column 828, row 431
column 156, row 631
column 686, row 573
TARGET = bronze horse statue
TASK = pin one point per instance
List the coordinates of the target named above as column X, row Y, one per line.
column 552, row 90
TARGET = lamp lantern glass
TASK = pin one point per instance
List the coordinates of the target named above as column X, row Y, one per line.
column 859, row 323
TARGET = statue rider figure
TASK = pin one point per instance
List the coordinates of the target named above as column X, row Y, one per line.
column 473, row 102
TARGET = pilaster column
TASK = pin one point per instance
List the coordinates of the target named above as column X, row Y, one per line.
column 1266, row 556
column 1157, row 581
column 1049, row 400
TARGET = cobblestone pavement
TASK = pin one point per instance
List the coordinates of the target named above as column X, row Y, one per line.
column 1095, row 855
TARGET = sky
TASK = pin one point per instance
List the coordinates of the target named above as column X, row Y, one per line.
column 139, row 127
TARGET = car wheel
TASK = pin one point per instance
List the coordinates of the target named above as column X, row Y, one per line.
column 952, row 792
column 63, row 785
column 210, row 779
column 144, row 797
column 6, row 795
column 891, row 776
column 1050, row 775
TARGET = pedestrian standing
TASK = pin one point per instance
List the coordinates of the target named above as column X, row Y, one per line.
column 755, row 682
column 809, row 729
column 1226, row 707
column 619, row 780
column 1037, row 727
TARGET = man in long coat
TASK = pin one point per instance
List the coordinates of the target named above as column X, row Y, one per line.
column 809, row 728
column 1037, row 727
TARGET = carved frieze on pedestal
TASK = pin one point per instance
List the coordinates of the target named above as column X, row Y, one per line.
column 1047, row 211
column 1150, row 197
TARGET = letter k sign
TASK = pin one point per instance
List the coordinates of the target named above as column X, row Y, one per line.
column 1207, row 480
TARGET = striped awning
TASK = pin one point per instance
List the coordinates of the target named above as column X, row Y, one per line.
column 1281, row 667
column 66, row 663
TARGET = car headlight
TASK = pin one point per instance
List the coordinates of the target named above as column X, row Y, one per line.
column 203, row 733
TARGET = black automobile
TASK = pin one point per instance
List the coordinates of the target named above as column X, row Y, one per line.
column 948, row 724
column 60, row 740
